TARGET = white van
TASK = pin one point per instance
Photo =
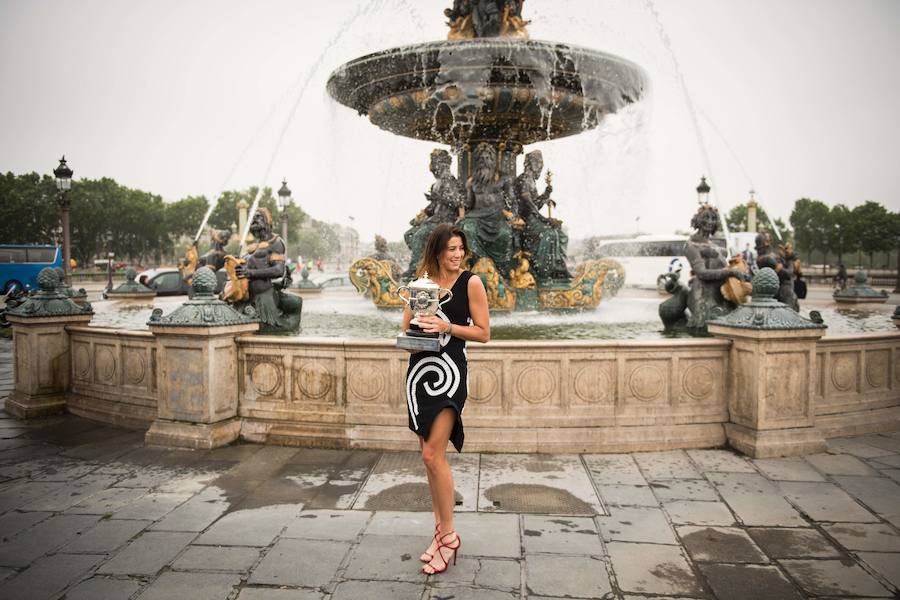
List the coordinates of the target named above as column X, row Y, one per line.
column 647, row 258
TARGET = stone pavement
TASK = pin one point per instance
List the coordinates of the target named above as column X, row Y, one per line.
column 88, row 512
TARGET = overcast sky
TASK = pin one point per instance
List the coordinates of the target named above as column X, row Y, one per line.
column 180, row 97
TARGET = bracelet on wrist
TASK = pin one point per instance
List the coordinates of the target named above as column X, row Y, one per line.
column 449, row 328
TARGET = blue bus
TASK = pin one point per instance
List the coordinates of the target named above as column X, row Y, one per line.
column 20, row 264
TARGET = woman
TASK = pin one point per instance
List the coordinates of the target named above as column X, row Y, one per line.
column 437, row 382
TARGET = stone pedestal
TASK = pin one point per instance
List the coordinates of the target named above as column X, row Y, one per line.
column 42, row 371
column 198, row 389
column 772, row 363
column 197, row 372
column 41, row 347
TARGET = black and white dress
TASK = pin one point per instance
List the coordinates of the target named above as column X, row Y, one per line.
column 439, row 380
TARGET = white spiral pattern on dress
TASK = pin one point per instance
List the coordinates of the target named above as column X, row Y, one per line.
column 447, row 381
column 444, row 337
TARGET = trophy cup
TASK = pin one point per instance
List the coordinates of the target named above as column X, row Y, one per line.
column 424, row 298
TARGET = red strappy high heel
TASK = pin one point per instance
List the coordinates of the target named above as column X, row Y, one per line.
column 441, row 545
column 428, row 556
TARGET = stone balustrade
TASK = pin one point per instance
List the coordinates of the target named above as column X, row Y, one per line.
column 570, row 396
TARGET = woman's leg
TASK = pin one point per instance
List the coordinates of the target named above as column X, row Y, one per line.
column 434, row 455
column 432, row 547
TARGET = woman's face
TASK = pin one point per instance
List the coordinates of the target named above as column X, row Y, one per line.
column 452, row 256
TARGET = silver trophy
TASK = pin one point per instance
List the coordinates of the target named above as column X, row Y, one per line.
column 424, row 297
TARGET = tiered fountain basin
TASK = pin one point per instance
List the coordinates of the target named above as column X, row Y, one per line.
column 524, row 395
column 493, row 90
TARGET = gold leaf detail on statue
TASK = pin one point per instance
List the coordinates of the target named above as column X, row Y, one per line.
column 500, row 295
column 374, row 278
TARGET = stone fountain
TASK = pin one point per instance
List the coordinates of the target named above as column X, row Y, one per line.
column 487, row 93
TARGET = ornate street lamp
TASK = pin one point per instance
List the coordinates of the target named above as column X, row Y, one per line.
column 703, row 191
column 284, row 199
column 63, row 176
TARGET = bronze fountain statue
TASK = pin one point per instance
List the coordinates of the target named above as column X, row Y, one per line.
column 488, row 92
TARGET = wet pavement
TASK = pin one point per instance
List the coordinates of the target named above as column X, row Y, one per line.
column 88, row 512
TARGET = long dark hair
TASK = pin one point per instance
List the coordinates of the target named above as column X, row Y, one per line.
column 436, row 244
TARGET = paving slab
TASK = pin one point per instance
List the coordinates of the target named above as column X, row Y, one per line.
column 834, row 578
column 720, row 544
column 886, row 564
column 535, row 483
column 343, row 525
column 395, row 590
column 568, row 576
column 884, row 442
column 721, row 460
column 673, row 464
column 194, row 514
column 397, row 471
column 147, row 554
column 755, row 500
column 490, row 535
column 106, row 536
column 237, row 559
column 891, row 460
column 696, row 512
column 878, row 493
column 151, row 507
column 875, row 537
column 855, row 447
column 627, row 495
column 627, row 524
column 826, row 502
column 252, row 527
column 306, row 563
column 386, row 522
column 65, row 471
column 788, row 469
column 196, row 586
column 107, row 501
column 103, row 588
column 505, row 575
column 564, row 535
column 44, row 537
column 263, row 593
column 73, row 493
column 779, row 542
column 613, row 469
column 49, row 576
column 24, row 494
column 840, row 464
column 684, row 489
column 470, row 593
column 389, row 558
column 731, row 582
column 653, row 569
column 13, row 522
column 892, row 473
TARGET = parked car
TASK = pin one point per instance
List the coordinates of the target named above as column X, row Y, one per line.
column 168, row 281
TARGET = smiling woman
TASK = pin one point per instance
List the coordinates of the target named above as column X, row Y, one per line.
column 437, row 382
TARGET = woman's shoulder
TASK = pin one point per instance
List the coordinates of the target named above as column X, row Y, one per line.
column 472, row 281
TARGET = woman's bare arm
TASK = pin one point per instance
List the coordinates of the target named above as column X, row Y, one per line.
column 479, row 330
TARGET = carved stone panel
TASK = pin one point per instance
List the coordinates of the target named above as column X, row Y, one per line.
column 265, row 376
column 105, row 364
column 485, row 382
column 878, row 364
column 593, row 381
column 787, row 386
column 647, row 381
column 844, row 375
column 744, row 378
column 819, row 375
column 367, row 380
column 536, row 382
column 700, row 379
column 135, row 370
column 314, row 379
column 81, row 361
column 184, row 374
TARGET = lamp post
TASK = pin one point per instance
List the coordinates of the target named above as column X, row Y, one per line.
column 284, row 199
column 63, row 176
column 109, row 270
column 703, row 192
column 897, row 287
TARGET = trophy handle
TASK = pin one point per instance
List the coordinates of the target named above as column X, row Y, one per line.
column 400, row 289
column 447, row 299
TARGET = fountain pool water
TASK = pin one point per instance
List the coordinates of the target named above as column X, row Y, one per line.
column 341, row 313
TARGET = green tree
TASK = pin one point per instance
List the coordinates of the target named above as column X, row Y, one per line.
column 318, row 240
column 840, row 233
column 873, row 229
column 29, row 212
column 811, row 221
column 184, row 216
